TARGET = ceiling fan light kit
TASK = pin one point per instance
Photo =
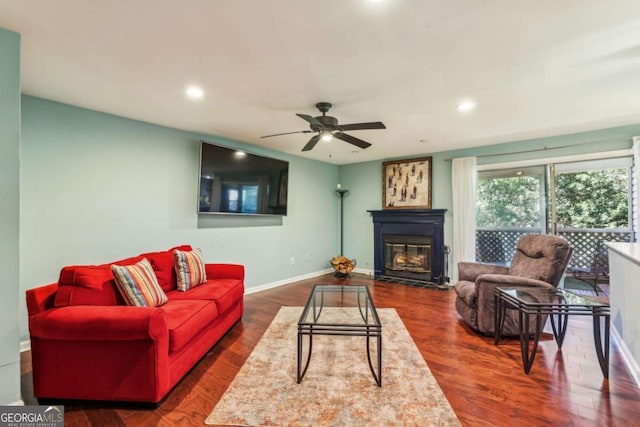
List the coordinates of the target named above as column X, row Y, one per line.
column 328, row 127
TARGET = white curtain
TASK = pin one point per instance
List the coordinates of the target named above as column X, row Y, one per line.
column 463, row 190
column 635, row 198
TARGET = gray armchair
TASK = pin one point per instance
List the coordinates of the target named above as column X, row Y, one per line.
column 540, row 260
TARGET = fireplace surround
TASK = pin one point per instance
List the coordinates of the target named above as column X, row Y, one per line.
column 409, row 244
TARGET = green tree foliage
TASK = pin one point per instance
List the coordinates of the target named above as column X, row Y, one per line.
column 594, row 199
column 508, row 202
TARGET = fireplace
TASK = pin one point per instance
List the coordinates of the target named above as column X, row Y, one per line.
column 407, row 256
column 409, row 244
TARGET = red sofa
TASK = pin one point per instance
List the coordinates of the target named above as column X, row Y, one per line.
column 87, row 344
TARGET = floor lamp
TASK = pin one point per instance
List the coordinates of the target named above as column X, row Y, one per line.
column 341, row 264
column 341, row 192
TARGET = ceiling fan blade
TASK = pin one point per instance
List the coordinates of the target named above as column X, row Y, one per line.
column 311, row 120
column 352, row 140
column 287, row 133
column 312, row 143
column 363, row 126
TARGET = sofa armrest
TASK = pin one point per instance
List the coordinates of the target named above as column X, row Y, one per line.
column 487, row 283
column 225, row 271
column 470, row 271
column 41, row 298
column 104, row 323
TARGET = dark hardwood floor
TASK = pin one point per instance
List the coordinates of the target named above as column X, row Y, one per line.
column 485, row 384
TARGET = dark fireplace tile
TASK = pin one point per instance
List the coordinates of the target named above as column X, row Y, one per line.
column 409, row 244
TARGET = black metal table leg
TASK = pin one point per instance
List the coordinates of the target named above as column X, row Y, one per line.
column 528, row 355
column 602, row 351
column 377, row 376
column 301, row 370
column 559, row 329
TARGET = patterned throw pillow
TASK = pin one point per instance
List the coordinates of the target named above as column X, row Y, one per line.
column 189, row 269
column 138, row 284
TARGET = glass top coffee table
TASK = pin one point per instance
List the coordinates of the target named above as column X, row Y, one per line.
column 537, row 303
column 344, row 311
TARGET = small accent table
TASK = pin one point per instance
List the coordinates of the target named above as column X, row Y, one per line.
column 357, row 317
column 558, row 305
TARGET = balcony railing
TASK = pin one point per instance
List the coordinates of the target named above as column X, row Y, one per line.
column 497, row 245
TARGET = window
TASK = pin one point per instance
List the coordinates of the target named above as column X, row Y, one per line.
column 511, row 198
column 240, row 198
column 585, row 202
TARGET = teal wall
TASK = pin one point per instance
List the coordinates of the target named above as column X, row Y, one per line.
column 97, row 188
column 364, row 180
column 9, row 216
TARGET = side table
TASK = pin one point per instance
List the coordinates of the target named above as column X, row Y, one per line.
column 532, row 302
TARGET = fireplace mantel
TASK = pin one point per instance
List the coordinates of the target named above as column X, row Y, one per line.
column 411, row 222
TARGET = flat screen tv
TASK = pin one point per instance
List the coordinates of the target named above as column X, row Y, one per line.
column 237, row 182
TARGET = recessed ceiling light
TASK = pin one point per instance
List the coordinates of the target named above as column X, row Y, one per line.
column 240, row 153
column 194, row 92
column 467, row 105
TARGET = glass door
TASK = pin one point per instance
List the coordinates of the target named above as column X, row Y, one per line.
column 510, row 204
column 591, row 204
column 587, row 203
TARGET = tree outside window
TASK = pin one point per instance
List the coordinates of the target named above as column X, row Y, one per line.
column 512, row 202
column 593, row 199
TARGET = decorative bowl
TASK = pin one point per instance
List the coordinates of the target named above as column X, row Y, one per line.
column 342, row 265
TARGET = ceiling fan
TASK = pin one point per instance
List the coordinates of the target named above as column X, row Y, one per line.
column 327, row 127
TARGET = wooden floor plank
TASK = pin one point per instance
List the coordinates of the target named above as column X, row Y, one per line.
column 484, row 383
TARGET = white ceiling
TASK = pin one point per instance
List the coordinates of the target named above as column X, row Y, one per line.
column 535, row 68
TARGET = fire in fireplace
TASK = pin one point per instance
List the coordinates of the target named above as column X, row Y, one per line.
column 410, row 254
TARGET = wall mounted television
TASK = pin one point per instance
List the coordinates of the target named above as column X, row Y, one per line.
column 234, row 181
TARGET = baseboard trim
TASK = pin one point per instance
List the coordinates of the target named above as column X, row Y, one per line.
column 16, row 403
column 366, row 271
column 278, row 283
column 629, row 361
column 25, row 346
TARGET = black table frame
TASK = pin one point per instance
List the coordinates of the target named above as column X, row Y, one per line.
column 560, row 305
column 371, row 328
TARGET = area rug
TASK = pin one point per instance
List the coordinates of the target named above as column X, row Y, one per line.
column 338, row 388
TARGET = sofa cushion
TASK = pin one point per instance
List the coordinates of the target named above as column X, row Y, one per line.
column 190, row 269
column 138, row 284
column 89, row 285
column 164, row 266
column 186, row 319
column 224, row 292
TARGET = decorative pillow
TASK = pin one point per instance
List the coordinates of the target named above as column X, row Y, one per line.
column 189, row 269
column 138, row 284
column 90, row 284
column 164, row 266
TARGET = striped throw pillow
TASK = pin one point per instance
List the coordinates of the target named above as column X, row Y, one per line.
column 189, row 269
column 138, row 284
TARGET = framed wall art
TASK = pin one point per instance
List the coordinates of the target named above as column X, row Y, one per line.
column 406, row 184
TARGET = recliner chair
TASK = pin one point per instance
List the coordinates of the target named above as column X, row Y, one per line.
column 540, row 260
